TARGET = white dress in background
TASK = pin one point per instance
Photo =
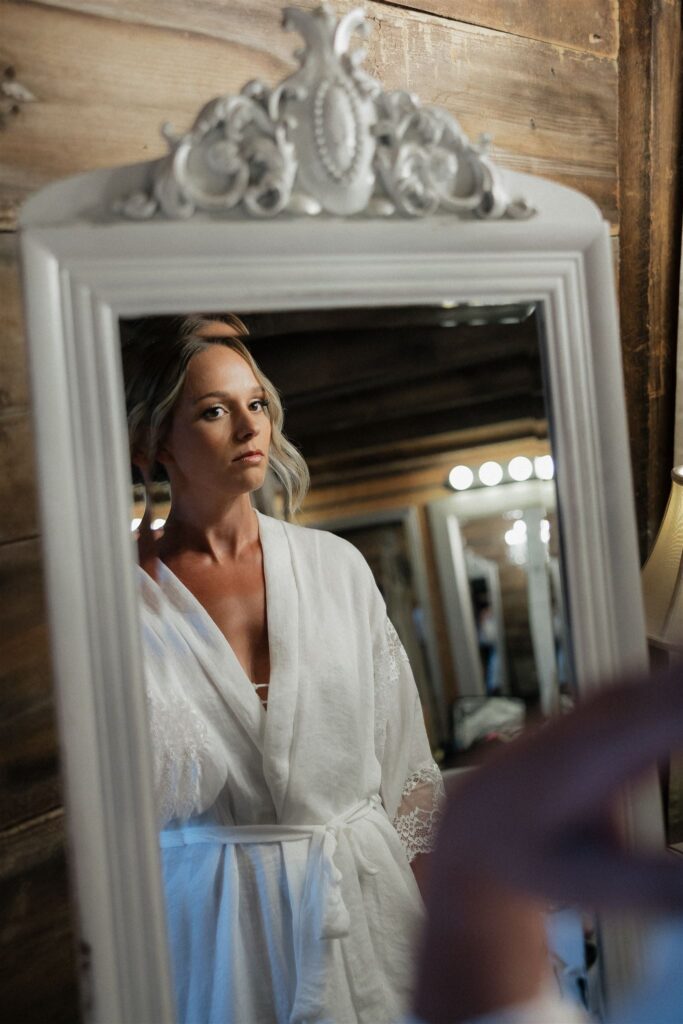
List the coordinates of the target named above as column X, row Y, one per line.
column 287, row 833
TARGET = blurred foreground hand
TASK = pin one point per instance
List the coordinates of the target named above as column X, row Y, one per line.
column 536, row 823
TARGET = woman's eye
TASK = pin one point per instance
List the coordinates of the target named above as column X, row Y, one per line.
column 259, row 405
column 214, row 412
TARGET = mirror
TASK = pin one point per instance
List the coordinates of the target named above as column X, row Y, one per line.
column 384, row 404
column 416, row 224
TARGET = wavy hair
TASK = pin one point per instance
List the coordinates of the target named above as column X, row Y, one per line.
column 156, row 354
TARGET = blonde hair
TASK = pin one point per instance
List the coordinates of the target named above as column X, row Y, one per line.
column 156, row 354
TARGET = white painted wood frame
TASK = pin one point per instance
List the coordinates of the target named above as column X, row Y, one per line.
column 82, row 271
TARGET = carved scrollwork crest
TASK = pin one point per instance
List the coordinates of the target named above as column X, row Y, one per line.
column 328, row 138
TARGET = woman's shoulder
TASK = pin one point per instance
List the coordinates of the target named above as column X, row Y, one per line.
column 323, row 546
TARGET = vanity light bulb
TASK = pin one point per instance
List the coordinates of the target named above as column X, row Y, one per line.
column 460, row 478
column 491, row 473
column 545, row 531
column 544, row 467
column 134, row 524
column 517, row 535
column 520, row 468
column 157, row 524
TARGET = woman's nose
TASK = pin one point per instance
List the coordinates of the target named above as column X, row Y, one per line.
column 245, row 425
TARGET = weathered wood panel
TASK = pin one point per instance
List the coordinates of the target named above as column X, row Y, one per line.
column 18, row 502
column 103, row 86
column 591, row 25
column 650, row 220
column 18, row 510
column 36, row 935
column 536, row 100
column 13, row 376
column 29, row 782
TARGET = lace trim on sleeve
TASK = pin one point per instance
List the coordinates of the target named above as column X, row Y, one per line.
column 388, row 661
column 179, row 743
column 419, row 812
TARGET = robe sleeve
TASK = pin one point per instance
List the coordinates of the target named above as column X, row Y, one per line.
column 411, row 786
column 189, row 764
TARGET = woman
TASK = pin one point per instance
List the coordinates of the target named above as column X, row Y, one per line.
column 293, row 774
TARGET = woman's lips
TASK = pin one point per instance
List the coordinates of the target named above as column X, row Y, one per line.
column 249, row 457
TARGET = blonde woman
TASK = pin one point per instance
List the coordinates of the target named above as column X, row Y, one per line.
column 294, row 779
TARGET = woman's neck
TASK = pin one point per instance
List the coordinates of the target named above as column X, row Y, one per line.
column 220, row 533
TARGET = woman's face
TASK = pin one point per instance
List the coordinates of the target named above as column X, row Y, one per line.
column 220, row 431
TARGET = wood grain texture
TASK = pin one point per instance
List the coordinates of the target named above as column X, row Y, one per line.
column 649, row 245
column 29, row 781
column 590, row 25
column 37, row 949
column 18, row 499
column 25, row 668
column 104, row 86
column 18, row 509
column 14, row 395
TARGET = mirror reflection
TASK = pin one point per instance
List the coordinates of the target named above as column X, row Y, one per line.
column 308, row 650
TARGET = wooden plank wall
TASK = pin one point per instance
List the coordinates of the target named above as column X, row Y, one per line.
column 585, row 93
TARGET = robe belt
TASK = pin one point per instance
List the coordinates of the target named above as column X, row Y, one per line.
column 323, row 878
column 324, row 914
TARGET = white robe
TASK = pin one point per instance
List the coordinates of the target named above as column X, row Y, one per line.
column 289, row 894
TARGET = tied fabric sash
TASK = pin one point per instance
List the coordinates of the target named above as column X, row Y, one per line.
column 323, row 913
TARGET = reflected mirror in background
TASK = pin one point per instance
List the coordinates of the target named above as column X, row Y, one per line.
column 427, row 439
column 513, row 573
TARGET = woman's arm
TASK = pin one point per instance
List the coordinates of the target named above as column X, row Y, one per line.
column 420, row 866
column 535, row 824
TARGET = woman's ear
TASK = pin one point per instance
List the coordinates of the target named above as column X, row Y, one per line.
column 152, row 469
column 139, row 460
column 162, row 456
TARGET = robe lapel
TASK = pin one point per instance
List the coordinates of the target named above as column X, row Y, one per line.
column 215, row 654
column 282, row 599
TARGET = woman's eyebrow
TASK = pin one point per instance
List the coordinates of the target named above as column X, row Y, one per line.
column 257, row 390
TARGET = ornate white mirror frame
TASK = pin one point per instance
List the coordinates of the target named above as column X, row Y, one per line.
column 200, row 231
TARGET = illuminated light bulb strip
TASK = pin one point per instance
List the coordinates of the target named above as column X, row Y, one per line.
column 460, row 478
column 156, row 524
column 491, row 473
column 520, row 468
column 518, row 533
column 544, row 467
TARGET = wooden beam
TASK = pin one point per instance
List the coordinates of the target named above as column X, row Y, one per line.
column 324, row 362
column 650, row 232
column 424, row 423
